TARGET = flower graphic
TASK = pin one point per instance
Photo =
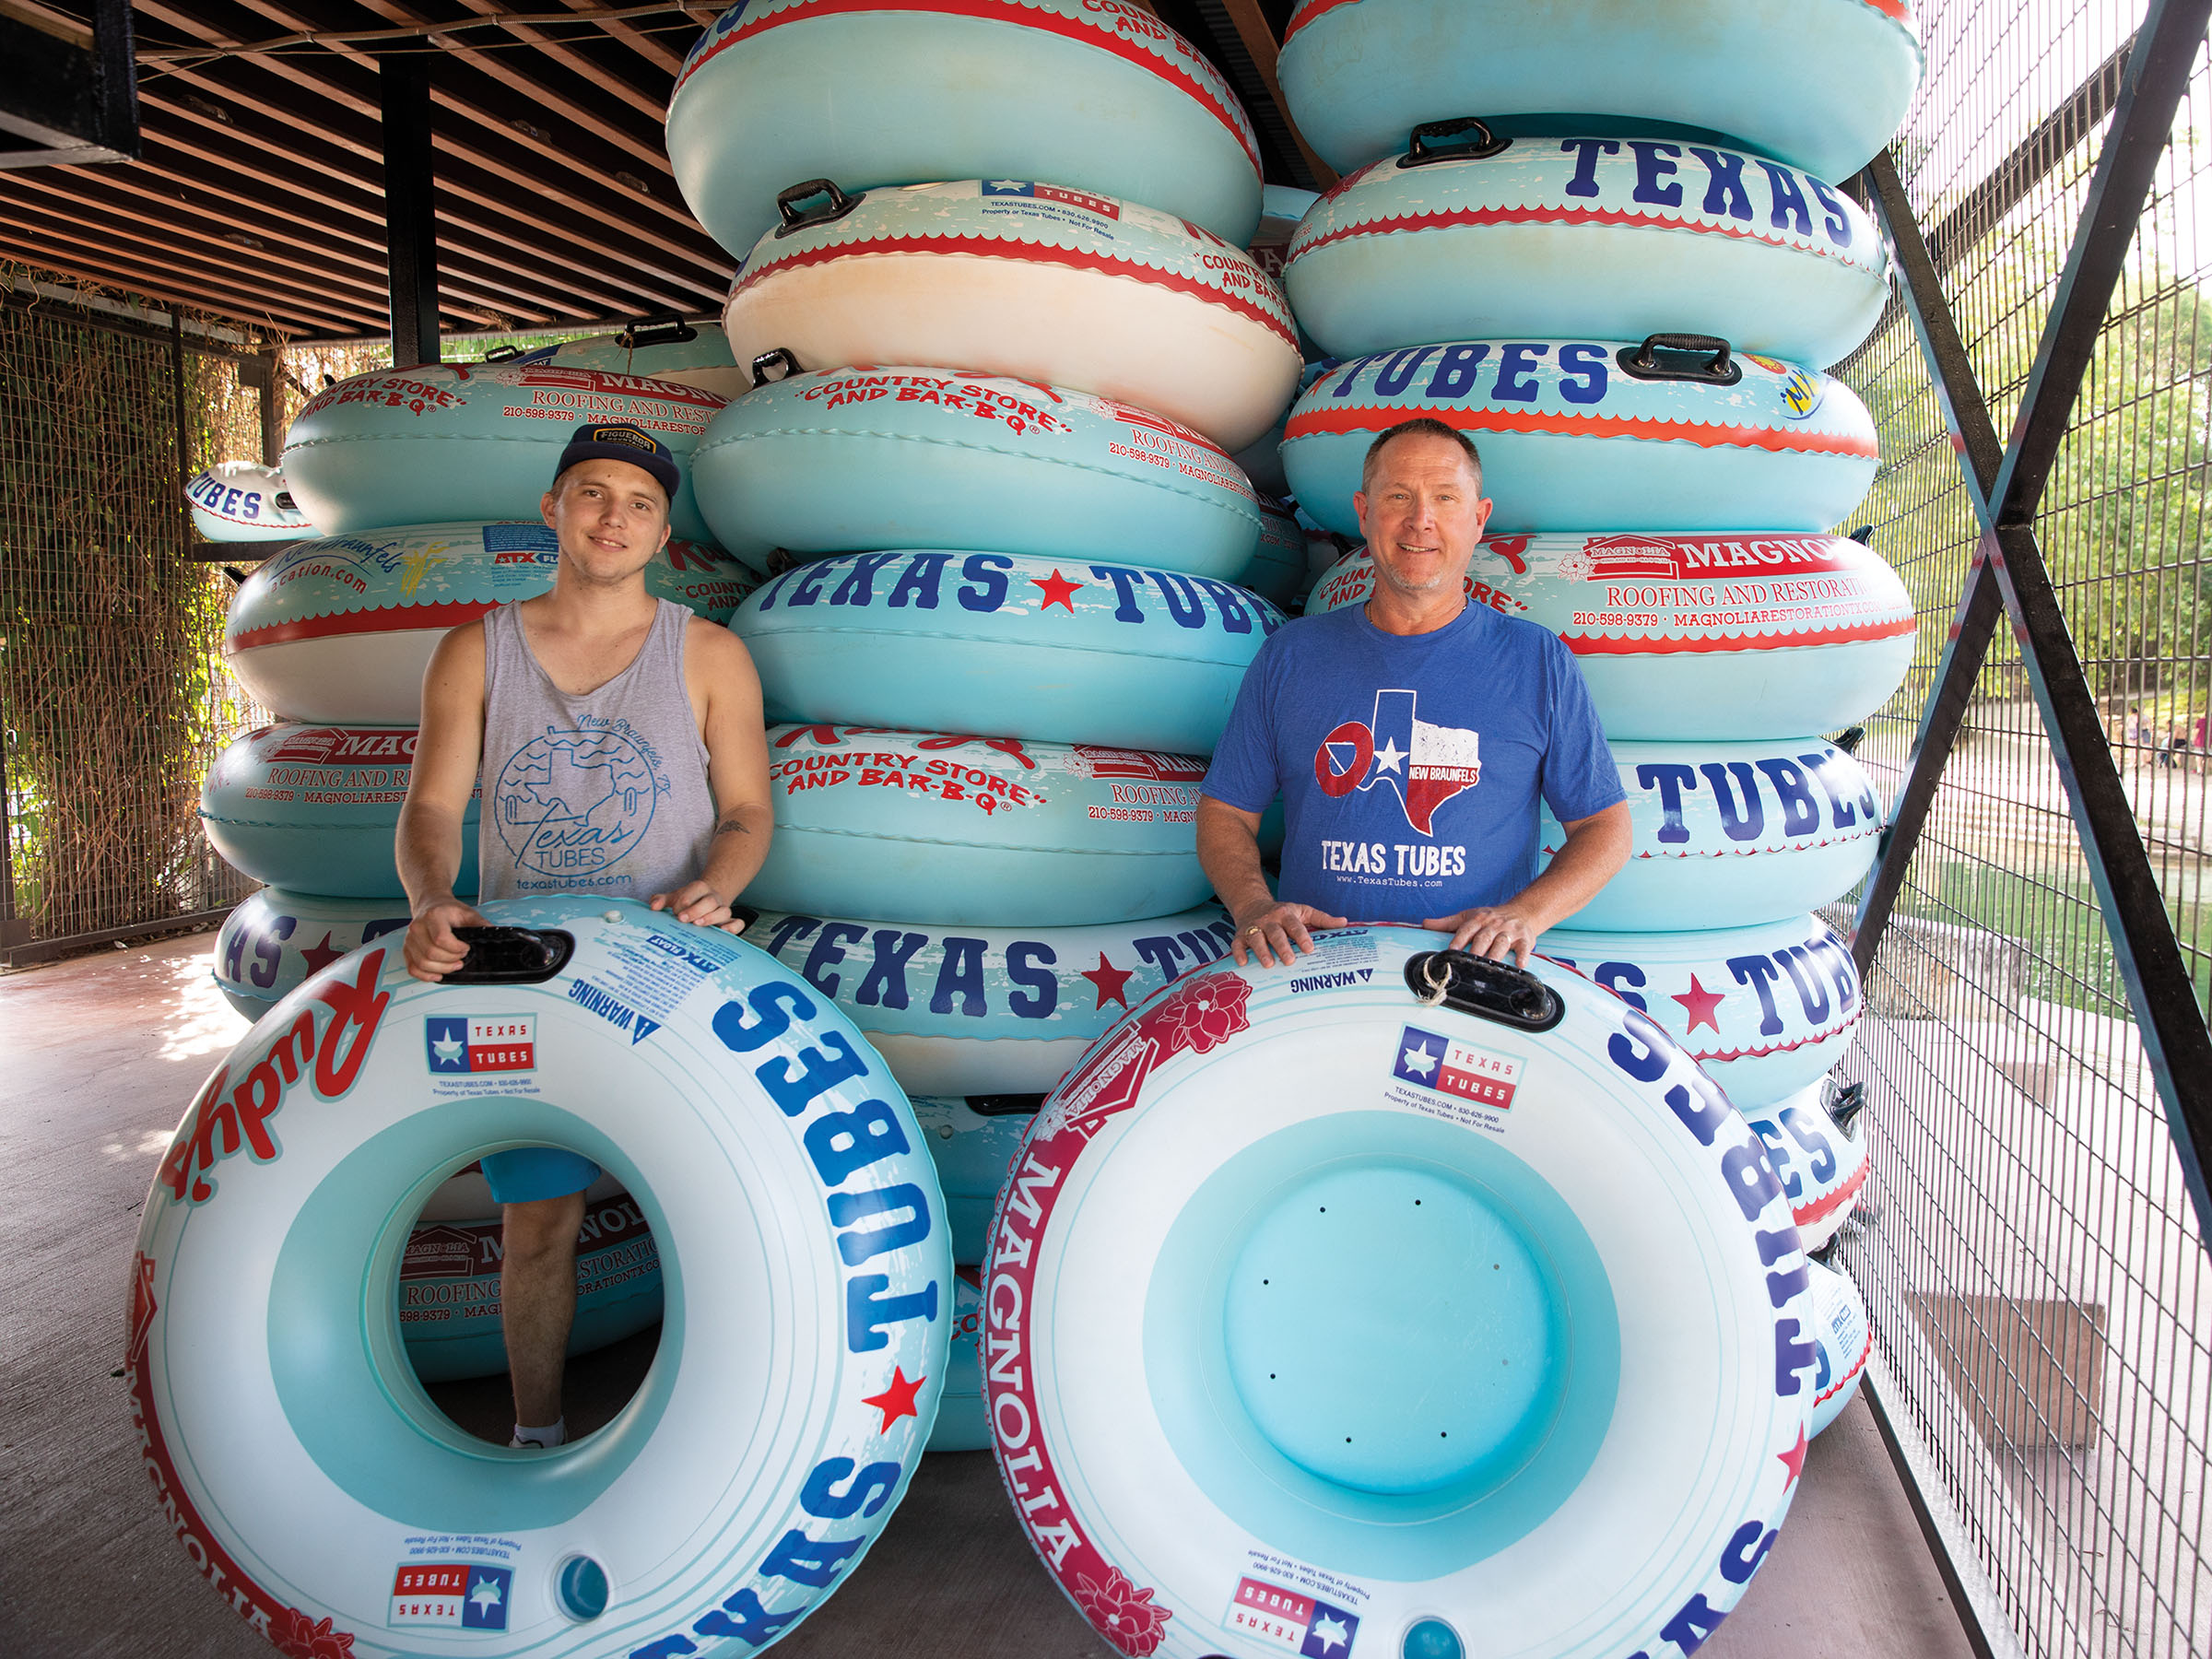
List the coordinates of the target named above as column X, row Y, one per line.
column 1200, row 1014
column 296, row 1639
column 1122, row 1613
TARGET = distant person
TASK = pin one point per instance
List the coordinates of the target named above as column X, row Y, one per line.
column 553, row 700
column 2134, row 727
column 1410, row 740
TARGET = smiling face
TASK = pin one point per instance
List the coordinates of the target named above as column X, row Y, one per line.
column 1422, row 511
column 610, row 518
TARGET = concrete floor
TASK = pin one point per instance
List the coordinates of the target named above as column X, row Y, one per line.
column 101, row 1057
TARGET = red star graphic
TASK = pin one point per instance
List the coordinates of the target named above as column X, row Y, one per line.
column 897, row 1400
column 1110, row 981
column 1057, row 590
column 1700, row 1004
column 318, row 957
column 1793, row 1459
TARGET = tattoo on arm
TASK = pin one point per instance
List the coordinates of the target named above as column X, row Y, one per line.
column 732, row 825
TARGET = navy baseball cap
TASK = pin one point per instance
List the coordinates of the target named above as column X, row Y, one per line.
column 618, row 441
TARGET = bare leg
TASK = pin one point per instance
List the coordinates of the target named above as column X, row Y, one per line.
column 537, row 1299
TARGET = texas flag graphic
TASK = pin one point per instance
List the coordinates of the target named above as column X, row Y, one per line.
column 1291, row 1621
column 466, row 1043
column 1426, row 764
column 458, row 1594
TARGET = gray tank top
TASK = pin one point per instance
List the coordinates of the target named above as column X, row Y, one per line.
column 605, row 793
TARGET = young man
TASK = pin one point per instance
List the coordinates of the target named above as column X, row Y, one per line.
column 1410, row 740
column 623, row 754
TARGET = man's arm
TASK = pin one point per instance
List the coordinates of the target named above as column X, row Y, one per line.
column 1229, row 851
column 1595, row 847
column 447, row 750
column 721, row 670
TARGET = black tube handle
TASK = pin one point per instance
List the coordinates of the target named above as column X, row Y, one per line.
column 797, row 218
column 654, row 328
column 503, row 354
column 1484, row 143
column 779, row 357
column 1645, row 362
column 512, row 956
column 1005, row 1105
column 1851, row 1100
column 1488, row 989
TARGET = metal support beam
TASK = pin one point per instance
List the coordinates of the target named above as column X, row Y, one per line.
column 2009, row 572
column 410, row 211
column 70, row 95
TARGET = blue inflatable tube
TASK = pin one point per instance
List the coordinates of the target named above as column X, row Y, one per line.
column 856, row 459
column 965, row 1010
column 1594, row 434
column 1278, row 570
column 1697, row 636
column 274, row 939
column 339, row 630
column 1025, row 279
column 961, row 1426
column 1845, row 1336
column 1766, row 1009
column 805, row 1264
column 1822, row 1165
column 1728, row 834
column 1404, row 1306
column 1101, row 98
column 315, row 808
column 663, row 347
column 452, row 441
column 993, row 832
column 1621, row 238
column 244, row 501
column 1820, row 84
column 1060, row 650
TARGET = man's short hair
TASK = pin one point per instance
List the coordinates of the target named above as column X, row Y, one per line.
column 1420, row 426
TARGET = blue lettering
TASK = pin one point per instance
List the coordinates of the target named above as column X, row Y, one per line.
column 858, row 586
column 1737, row 825
column 1749, row 1177
column 871, row 1490
column 885, row 982
column 988, row 572
column 1724, row 191
column 919, row 580
column 1668, row 777
column 1760, row 974
column 905, row 1199
column 1029, row 965
column 869, row 1307
column 1614, row 975
column 811, row 1561
column 775, row 1005
column 1800, row 812
column 1395, row 376
column 1655, row 166
column 1745, row 1550
column 1125, row 581
column 841, row 1143
column 1838, row 222
column 1582, row 374
column 1791, row 1356
column 808, row 589
column 743, row 1616
column 829, row 950
column 1515, row 383
column 1792, row 211
column 1454, row 376
column 961, row 974
column 1184, row 603
column 1810, row 996
column 818, row 1071
column 1586, row 151
column 1639, row 1047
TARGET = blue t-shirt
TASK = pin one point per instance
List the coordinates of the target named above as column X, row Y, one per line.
column 1411, row 765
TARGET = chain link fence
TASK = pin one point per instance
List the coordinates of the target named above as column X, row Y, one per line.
column 2039, row 1290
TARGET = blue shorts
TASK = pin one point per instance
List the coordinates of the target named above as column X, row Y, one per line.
column 529, row 1173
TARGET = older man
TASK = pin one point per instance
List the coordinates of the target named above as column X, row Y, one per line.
column 1410, row 740
column 596, row 679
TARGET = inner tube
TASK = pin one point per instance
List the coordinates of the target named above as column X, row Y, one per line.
column 1058, row 651
column 316, row 808
column 1625, row 237
column 338, row 630
column 867, row 458
column 961, row 1426
column 973, row 1141
column 1281, row 207
column 448, row 1293
column 771, row 1154
column 460, row 441
column 965, row 1010
column 1578, row 435
column 1765, row 1010
column 1278, row 570
column 244, row 501
column 1718, row 636
column 274, row 939
column 1845, row 1336
column 926, row 827
column 1396, row 1317
column 660, row 347
column 1822, row 1165
column 1004, row 277
column 1822, row 85
column 1727, row 834
column 1096, row 98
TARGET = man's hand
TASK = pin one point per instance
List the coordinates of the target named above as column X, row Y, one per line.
column 696, row 903
column 1278, row 930
column 430, row 948
column 1501, row 932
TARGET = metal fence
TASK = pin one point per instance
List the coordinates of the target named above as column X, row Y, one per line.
column 2031, row 1252
column 112, row 694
